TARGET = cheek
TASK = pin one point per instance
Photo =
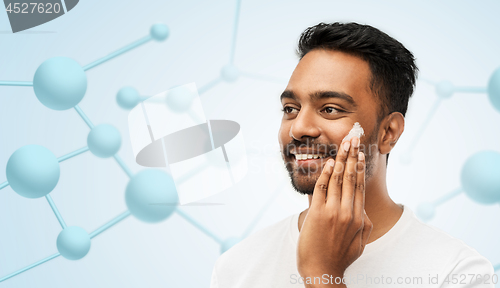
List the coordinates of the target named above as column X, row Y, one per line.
column 282, row 134
column 337, row 132
column 370, row 142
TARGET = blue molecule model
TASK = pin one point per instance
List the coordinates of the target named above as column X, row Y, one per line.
column 480, row 177
column 159, row 32
column 179, row 99
column 229, row 73
column 127, row 98
column 494, row 89
column 228, row 243
column 104, row 140
column 33, row 171
column 60, row 83
column 445, row 89
column 425, row 211
column 73, row 243
column 151, row 195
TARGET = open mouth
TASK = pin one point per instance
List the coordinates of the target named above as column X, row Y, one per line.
column 315, row 161
column 309, row 156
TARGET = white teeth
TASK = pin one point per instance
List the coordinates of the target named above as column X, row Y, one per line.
column 308, row 156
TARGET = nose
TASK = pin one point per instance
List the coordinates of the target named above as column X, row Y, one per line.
column 304, row 126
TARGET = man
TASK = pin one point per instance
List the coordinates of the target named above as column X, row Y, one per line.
column 352, row 234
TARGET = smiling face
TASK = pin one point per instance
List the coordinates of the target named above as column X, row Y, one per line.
column 327, row 93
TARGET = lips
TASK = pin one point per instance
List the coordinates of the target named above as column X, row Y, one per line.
column 309, row 161
column 309, row 157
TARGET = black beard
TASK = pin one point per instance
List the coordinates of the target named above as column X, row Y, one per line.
column 310, row 186
column 330, row 150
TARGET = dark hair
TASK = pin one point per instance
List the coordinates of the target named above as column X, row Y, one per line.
column 393, row 68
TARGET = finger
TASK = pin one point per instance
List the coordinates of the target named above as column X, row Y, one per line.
column 367, row 230
column 349, row 182
column 357, row 243
column 335, row 183
column 320, row 189
column 359, row 193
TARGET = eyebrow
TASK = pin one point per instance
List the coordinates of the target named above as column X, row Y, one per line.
column 321, row 95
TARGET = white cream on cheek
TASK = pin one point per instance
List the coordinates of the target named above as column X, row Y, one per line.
column 356, row 130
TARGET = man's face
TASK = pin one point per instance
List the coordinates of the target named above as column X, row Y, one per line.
column 327, row 93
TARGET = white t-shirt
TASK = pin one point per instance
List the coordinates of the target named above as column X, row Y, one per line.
column 410, row 254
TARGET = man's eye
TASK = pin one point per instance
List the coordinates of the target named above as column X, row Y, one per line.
column 332, row 110
column 287, row 109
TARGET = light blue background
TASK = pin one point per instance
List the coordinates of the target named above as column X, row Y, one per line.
column 456, row 41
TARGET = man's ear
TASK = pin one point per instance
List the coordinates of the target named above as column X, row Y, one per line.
column 392, row 127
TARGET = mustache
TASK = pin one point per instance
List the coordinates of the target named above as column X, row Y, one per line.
column 320, row 148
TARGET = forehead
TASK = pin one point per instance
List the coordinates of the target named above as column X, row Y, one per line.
column 327, row 70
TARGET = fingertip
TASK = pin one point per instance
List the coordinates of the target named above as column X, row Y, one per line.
column 355, row 142
column 346, row 146
column 331, row 162
column 361, row 156
column 326, row 166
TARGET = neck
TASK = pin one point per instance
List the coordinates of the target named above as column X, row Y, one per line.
column 379, row 207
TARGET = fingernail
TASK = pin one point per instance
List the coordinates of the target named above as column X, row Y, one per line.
column 346, row 145
column 331, row 162
column 355, row 142
column 361, row 156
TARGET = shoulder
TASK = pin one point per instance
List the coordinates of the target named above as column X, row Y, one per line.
column 260, row 242
column 435, row 240
column 459, row 260
column 434, row 244
column 269, row 249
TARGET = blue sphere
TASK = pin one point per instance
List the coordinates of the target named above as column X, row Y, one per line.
column 425, row 211
column 480, row 177
column 73, row 243
column 179, row 99
column 229, row 73
column 228, row 243
column 33, row 171
column 159, row 32
column 494, row 89
column 60, row 83
column 445, row 89
column 151, row 195
column 127, row 98
column 104, row 140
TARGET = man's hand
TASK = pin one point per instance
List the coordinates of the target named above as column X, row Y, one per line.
column 336, row 227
